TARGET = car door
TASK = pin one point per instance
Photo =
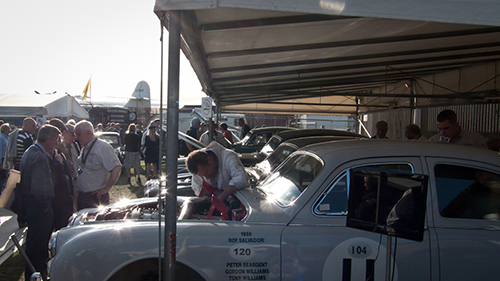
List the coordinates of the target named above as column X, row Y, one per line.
column 466, row 200
column 317, row 245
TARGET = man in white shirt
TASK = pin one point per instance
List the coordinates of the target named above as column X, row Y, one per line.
column 99, row 168
column 216, row 170
column 450, row 131
column 219, row 167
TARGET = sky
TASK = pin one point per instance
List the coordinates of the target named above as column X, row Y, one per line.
column 58, row 45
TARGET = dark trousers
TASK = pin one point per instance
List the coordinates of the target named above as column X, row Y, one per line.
column 89, row 200
column 3, row 178
column 37, row 240
column 63, row 209
column 18, row 206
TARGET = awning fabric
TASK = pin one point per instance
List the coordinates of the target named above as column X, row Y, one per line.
column 340, row 57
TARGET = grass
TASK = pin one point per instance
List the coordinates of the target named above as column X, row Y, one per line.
column 123, row 190
column 13, row 268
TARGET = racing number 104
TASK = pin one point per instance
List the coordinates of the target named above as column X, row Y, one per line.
column 358, row 250
column 242, row 251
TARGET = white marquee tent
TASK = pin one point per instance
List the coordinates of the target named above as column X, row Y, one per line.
column 50, row 106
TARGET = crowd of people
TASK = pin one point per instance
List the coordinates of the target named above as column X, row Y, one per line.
column 450, row 132
column 220, row 132
column 64, row 168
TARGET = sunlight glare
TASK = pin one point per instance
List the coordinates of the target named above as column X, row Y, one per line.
column 332, row 5
column 122, row 202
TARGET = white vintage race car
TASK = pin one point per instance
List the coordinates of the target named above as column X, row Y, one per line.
column 292, row 226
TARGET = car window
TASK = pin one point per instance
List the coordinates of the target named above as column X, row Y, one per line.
column 111, row 139
column 467, row 193
column 334, row 200
column 274, row 143
column 280, row 154
column 293, row 177
column 246, row 138
column 257, row 139
column 271, row 145
column 262, row 139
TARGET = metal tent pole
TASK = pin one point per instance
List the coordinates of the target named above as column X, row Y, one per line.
column 358, row 129
column 172, row 144
column 162, row 24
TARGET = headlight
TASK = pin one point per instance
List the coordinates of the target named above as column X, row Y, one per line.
column 53, row 244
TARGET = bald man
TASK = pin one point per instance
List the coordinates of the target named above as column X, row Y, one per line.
column 22, row 141
column 99, row 168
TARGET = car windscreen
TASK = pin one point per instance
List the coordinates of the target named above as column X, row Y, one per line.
column 245, row 140
column 280, row 154
column 287, row 182
column 271, row 145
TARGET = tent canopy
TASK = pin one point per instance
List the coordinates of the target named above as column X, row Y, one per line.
column 340, row 57
column 55, row 105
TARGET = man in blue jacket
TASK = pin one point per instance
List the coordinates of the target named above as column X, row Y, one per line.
column 38, row 192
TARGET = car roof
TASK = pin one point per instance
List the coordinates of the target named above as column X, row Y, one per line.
column 290, row 134
column 187, row 138
column 303, row 141
column 271, row 128
column 345, row 149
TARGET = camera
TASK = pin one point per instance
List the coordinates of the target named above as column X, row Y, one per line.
column 444, row 139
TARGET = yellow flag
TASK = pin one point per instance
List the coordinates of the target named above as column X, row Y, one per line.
column 86, row 90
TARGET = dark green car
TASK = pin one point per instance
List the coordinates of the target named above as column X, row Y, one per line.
column 257, row 138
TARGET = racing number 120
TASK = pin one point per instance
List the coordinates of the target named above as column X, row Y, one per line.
column 242, row 251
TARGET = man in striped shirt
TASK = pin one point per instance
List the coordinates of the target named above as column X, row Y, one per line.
column 23, row 141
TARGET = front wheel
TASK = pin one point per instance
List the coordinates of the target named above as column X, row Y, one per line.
column 147, row 270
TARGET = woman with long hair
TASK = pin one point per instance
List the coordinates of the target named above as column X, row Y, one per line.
column 132, row 156
column 152, row 145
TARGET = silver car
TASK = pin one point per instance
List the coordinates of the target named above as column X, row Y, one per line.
column 292, row 226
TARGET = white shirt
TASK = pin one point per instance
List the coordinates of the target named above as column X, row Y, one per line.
column 99, row 162
column 466, row 138
column 231, row 171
